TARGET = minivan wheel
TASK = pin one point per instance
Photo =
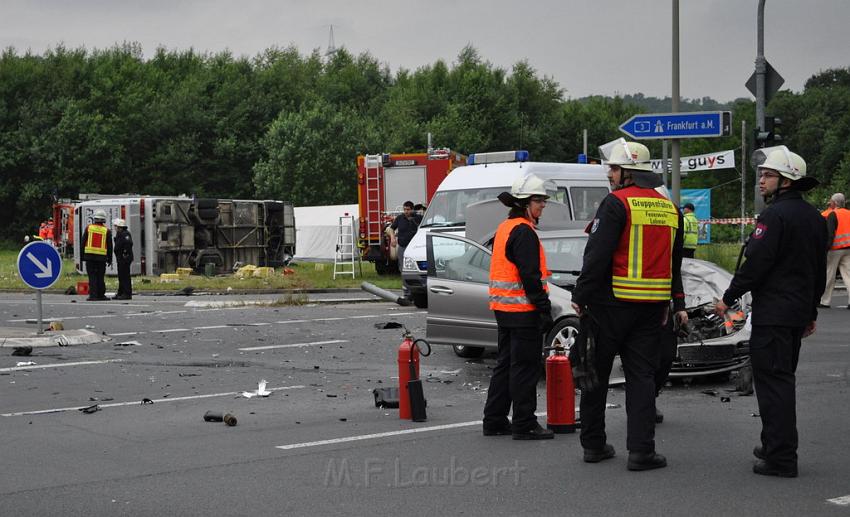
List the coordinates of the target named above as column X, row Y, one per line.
column 468, row 351
column 563, row 330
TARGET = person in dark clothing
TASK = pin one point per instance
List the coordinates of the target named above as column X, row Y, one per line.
column 405, row 226
column 666, row 355
column 97, row 255
column 123, row 258
column 786, row 272
column 520, row 300
column 630, row 273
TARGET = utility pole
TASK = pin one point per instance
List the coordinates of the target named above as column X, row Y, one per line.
column 675, row 149
column 743, row 175
column 761, row 72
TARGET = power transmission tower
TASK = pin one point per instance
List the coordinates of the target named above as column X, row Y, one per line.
column 331, row 46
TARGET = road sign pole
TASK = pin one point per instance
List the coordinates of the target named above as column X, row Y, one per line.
column 676, row 179
column 40, row 313
column 761, row 68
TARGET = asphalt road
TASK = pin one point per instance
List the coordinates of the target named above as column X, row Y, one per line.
column 318, row 446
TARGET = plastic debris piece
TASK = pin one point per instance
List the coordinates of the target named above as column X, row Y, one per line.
column 261, row 391
column 713, row 393
column 189, row 374
column 99, row 399
column 386, row 397
column 725, row 399
column 612, row 405
column 56, row 325
column 89, row 326
column 22, row 350
column 128, row 343
column 389, row 325
column 26, row 363
column 147, row 401
column 91, row 409
column 230, row 420
column 213, row 416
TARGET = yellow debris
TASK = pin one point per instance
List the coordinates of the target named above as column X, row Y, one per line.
column 183, row 272
column 169, row 277
column 264, row 272
column 246, row 271
column 56, row 325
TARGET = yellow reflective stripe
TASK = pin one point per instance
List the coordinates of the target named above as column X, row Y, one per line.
column 641, row 295
column 635, row 252
column 648, row 282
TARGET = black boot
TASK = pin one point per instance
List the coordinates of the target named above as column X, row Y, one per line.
column 535, row 433
column 768, row 469
column 597, row 455
column 646, row 461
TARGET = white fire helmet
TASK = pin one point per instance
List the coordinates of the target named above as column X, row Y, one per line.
column 787, row 164
column 628, row 155
column 119, row 223
column 531, row 185
column 99, row 215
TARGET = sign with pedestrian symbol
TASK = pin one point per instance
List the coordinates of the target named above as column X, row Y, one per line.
column 39, row 265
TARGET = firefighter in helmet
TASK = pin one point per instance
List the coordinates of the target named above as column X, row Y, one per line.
column 630, row 272
column 520, row 300
column 97, row 254
column 786, row 272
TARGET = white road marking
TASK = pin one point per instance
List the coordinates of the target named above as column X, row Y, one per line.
column 377, row 435
column 57, row 365
column 171, row 330
column 293, row 345
column 126, row 333
column 292, row 321
column 358, row 438
column 211, row 327
column 840, row 501
column 136, row 402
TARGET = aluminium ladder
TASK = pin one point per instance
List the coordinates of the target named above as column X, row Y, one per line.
column 346, row 254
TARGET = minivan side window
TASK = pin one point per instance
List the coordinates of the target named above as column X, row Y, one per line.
column 448, row 208
column 586, row 200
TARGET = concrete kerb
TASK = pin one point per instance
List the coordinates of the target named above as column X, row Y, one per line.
column 14, row 337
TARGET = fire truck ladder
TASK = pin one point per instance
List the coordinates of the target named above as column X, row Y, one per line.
column 374, row 217
column 345, row 249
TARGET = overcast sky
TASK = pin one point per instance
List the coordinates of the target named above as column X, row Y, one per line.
column 588, row 46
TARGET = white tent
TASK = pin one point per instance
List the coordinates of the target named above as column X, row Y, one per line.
column 317, row 228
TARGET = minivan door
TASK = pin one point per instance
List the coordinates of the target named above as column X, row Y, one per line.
column 458, row 292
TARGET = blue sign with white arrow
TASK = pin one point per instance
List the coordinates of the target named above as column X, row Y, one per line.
column 39, row 265
column 663, row 126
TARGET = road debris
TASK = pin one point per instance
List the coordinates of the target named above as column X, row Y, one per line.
column 386, row 397
column 26, row 363
column 128, row 343
column 147, row 401
column 22, row 350
column 612, row 405
column 389, row 325
column 711, row 392
column 725, row 399
column 213, row 416
column 90, row 409
column 230, row 420
column 261, row 391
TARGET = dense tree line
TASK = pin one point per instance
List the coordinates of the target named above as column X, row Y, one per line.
column 287, row 125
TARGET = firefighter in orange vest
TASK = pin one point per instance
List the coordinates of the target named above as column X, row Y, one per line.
column 838, row 258
column 97, row 254
column 520, row 300
column 630, row 272
column 50, row 229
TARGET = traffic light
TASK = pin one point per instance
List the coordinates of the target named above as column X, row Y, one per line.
column 769, row 135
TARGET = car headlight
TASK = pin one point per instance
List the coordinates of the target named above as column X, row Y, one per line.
column 409, row 264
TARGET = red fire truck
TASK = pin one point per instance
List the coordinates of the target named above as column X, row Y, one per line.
column 384, row 183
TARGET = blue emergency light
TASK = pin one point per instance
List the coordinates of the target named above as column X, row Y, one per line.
column 497, row 157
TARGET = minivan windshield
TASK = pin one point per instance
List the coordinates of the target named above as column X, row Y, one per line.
column 448, row 208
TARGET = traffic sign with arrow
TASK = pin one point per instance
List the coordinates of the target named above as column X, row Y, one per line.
column 664, row 126
column 39, row 265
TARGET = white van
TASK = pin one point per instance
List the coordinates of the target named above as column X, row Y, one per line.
column 580, row 187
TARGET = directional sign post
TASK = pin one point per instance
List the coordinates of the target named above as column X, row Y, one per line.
column 39, row 265
column 668, row 126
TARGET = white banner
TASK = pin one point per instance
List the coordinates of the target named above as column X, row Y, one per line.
column 702, row 162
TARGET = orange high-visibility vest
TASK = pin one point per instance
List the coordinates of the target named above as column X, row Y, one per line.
column 643, row 262
column 96, row 241
column 842, row 231
column 506, row 291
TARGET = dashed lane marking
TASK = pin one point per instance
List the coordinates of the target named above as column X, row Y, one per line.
column 292, row 345
column 57, row 365
column 840, row 501
column 136, row 402
column 64, row 318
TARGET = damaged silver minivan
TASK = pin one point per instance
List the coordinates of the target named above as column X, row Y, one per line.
column 459, row 314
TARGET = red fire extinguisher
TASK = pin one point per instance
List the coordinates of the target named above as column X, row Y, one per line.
column 411, row 397
column 560, row 392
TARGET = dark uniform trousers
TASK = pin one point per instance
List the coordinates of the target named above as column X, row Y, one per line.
column 634, row 331
column 96, row 271
column 667, row 352
column 515, row 379
column 774, row 352
column 125, row 286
